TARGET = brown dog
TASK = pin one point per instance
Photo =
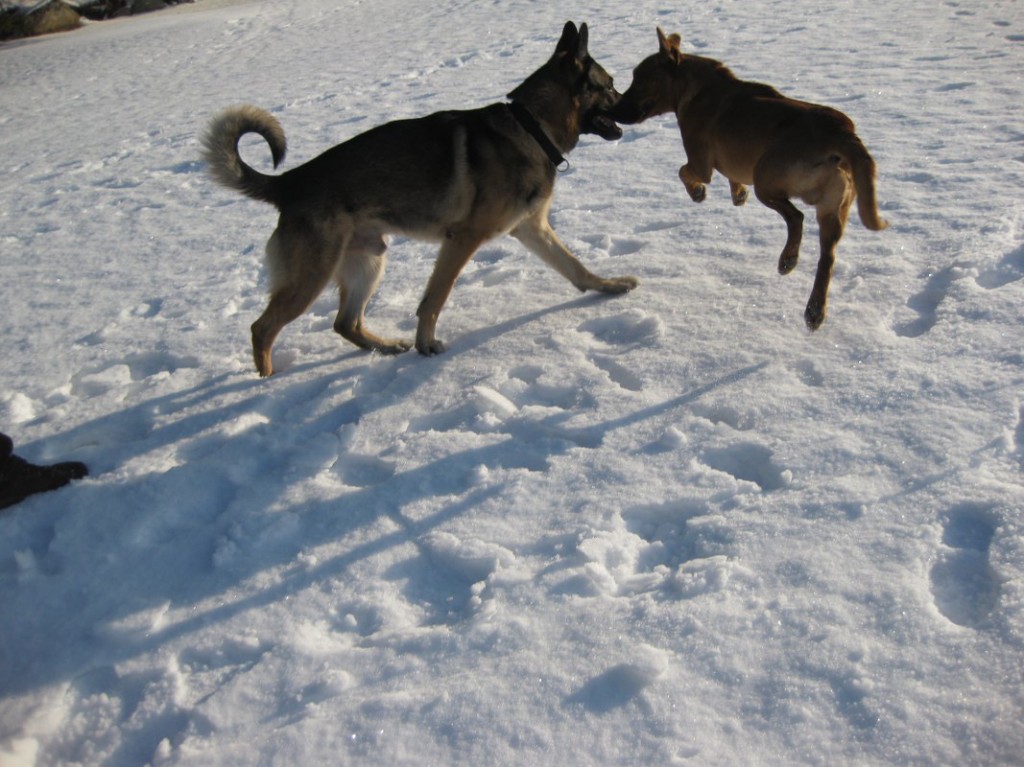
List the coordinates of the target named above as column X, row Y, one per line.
column 459, row 178
column 752, row 134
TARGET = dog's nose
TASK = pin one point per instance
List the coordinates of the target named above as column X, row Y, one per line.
column 624, row 112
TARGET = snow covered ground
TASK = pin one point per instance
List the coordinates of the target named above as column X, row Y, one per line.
column 671, row 527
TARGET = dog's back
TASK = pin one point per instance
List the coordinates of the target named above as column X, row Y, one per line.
column 457, row 177
column 753, row 134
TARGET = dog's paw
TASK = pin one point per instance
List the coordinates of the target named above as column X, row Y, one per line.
column 814, row 315
column 787, row 262
column 739, row 196
column 393, row 346
column 430, row 348
column 616, row 285
column 691, row 181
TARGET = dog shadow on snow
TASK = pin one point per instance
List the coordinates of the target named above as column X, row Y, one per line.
column 196, row 533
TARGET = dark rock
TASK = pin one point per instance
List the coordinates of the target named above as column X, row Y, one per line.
column 22, row 20
column 39, row 19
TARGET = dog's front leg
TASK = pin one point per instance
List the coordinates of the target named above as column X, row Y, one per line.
column 739, row 192
column 457, row 249
column 696, row 181
column 537, row 235
column 696, row 173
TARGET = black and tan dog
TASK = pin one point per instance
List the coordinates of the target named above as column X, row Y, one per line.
column 457, row 177
column 752, row 134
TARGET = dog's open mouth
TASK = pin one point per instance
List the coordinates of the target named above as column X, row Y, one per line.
column 600, row 123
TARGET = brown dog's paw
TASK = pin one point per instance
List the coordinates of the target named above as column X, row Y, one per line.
column 787, row 262
column 694, row 187
column 697, row 192
column 814, row 315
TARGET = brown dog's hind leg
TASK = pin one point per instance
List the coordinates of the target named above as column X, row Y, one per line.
column 817, row 306
column 361, row 269
column 831, row 224
column 773, row 175
column 794, row 226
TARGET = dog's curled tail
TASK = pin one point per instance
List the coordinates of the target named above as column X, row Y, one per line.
column 864, row 179
column 220, row 150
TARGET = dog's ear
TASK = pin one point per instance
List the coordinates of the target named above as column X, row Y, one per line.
column 582, row 50
column 569, row 40
column 669, row 45
column 574, row 42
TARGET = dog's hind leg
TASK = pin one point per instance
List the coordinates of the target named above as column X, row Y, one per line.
column 794, row 229
column 832, row 218
column 772, row 178
column 358, row 275
column 778, row 200
column 300, row 266
column 538, row 236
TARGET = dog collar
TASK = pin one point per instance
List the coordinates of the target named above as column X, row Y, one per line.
column 531, row 126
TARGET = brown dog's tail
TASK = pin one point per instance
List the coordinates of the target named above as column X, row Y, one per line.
column 864, row 180
column 220, row 151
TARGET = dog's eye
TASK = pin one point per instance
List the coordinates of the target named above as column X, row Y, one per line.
column 595, row 78
column 598, row 83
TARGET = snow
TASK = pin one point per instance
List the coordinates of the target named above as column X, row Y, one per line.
column 671, row 527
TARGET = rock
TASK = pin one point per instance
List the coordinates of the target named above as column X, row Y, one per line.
column 98, row 10
column 39, row 19
column 20, row 20
column 145, row 6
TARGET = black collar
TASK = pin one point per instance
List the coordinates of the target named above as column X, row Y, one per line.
column 531, row 126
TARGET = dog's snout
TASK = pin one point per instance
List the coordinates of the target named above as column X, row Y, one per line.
column 627, row 111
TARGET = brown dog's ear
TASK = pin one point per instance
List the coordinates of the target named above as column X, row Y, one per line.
column 670, row 45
